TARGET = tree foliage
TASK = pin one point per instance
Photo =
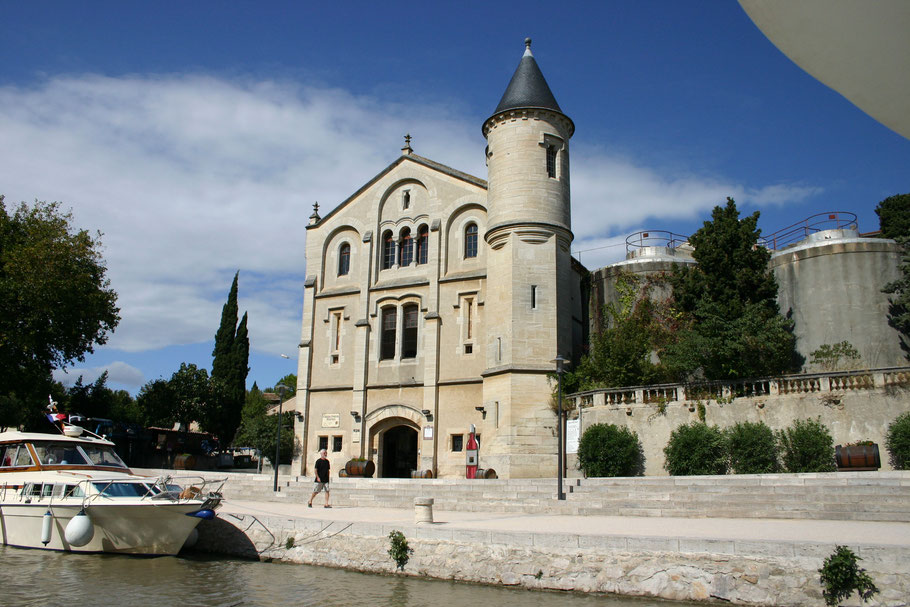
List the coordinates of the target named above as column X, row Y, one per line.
column 752, row 448
column 837, row 357
column 806, row 446
column 841, row 576
column 610, row 450
column 734, row 329
column 897, row 442
column 56, row 299
column 696, row 448
column 635, row 328
column 259, row 430
column 98, row 401
column 229, row 371
column 894, row 216
column 182, row 399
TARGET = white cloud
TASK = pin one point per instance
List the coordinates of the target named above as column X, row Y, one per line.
column 611, row 194
column 192, row 177
column 117, row 373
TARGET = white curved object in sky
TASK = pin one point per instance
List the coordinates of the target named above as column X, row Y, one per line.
column 859, row 49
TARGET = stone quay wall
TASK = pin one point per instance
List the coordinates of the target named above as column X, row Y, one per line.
column 742, row 572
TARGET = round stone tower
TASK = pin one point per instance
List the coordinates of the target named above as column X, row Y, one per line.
column 529, row 270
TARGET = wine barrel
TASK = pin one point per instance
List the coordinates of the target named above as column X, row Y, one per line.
column 185, row 462
column 360, row 468
column 857, row 457
column 421, row 474
column 487, row 473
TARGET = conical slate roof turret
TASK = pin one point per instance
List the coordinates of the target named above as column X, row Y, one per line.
column 528, row 88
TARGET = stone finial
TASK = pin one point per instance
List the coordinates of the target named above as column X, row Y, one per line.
column 314, row 218
column 527, row 46
column 406, row 150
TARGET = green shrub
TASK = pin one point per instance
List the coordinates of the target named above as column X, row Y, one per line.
column 752, row 448
column 696, row 448
column 399, row 549
column 806, row 446
column 898, row 442
column 840, row 576
column 610, row 450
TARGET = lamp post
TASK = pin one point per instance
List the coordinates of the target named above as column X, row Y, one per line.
column 560, row 363
column 281, row 389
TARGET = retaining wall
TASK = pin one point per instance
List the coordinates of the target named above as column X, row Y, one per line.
column 739, row 572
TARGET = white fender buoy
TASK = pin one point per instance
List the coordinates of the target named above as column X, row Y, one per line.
column 80, row 530
column 46, row 527
column 191, row 539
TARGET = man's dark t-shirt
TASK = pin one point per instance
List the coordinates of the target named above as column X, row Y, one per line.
column 322, row 470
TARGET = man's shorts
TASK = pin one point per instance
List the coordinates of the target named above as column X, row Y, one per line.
column 320, row 487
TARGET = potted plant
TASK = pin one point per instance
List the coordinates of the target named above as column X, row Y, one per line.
column 857, row 456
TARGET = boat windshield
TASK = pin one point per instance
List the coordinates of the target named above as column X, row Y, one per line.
column 59, row 454
column 102, row 456
column 122, row 489
column 14, row 455
column 72, row 454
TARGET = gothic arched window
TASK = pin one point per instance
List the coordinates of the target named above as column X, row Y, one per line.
column 405, row 249
column 409, row 319
column 387, row 336
column 470, row 240
column 344, row 259
column 388, row 250
column 422, row 244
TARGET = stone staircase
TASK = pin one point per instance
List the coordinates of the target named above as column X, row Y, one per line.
column 860, row 496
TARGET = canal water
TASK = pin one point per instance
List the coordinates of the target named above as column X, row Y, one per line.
column 39, row 577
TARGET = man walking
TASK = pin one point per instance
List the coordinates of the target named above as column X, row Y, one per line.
column 322, row 479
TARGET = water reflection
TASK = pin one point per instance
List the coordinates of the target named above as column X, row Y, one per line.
column 38, row 577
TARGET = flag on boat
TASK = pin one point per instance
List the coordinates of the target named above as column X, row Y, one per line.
column 56, row 417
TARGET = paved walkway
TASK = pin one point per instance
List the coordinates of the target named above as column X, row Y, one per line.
column 775, row 530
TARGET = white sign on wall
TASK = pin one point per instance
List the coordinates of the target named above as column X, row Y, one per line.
column 572, row 431
column 331, row 420
column 355, row 435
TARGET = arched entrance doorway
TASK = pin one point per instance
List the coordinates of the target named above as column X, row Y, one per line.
column 398, row 452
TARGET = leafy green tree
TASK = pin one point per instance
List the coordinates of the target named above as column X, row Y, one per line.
column 894, row 221
column 894, row 216
column 634, row 328
column 229, row 371
column 183, row 399
column 56, row 300
column 289, row 380
column 899, row 306
column 259, row 430
column 156, row 402
column 735, row 328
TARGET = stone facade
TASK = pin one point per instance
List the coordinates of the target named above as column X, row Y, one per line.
column 435, row 301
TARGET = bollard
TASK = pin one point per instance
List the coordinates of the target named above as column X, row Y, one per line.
column 423, row 510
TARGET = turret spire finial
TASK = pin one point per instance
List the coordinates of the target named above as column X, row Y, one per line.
column 527, row 46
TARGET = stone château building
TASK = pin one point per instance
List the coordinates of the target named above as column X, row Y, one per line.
column 435, row 300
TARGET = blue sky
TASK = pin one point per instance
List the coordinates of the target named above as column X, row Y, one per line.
column 196, row 136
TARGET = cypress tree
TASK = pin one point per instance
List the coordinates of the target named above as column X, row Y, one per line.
column 229, row 370
column 224, row 338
